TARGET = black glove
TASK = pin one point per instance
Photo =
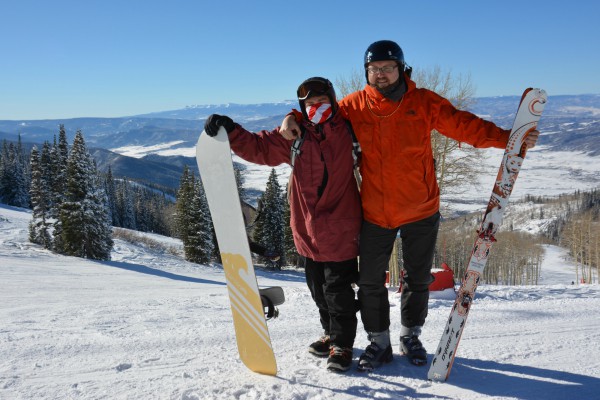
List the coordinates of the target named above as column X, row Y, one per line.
column 215, row 121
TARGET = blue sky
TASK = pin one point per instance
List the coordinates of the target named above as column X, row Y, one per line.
column 64, row 59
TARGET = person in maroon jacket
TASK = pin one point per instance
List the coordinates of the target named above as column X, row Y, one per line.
column 324, row 205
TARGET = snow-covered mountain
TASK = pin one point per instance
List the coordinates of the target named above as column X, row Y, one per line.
column 185, row 124
column 155, row 147
column 149, row 325
column 238, row 112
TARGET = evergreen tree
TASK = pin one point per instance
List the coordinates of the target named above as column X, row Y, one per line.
column 194, row 225
column 5, row 175
column 125, row 206
column 184, row 198
column 143, row 218
column 98, row 223
column 238, row 170
column 14, row 179
column 111, row 195
column 3, row 156
column 59, row 157
column 46, row 168
column 85, row 222
column 39, row 227
column 207, row 225
column 198, row 246
column 23, row 174
column 269, row 229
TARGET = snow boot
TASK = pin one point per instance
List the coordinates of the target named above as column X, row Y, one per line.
column 377, row 353
column 412, row 348
column 340, row 359
column 321, row 347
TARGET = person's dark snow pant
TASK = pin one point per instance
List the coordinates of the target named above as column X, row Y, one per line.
column 330, row 284
column 376, row 245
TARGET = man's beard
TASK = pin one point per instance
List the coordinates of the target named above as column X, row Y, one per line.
column 393, row 91
column 387, row 87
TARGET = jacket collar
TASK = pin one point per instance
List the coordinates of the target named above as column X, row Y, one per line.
column 376, row 94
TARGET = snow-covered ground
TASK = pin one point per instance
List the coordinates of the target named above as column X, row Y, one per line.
column 148, row 325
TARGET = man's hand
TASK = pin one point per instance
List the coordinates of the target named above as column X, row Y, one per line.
column 532, row 138
column 289, row 128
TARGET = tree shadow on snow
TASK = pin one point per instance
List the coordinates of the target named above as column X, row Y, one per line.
column 522, row 382
column 160, row 273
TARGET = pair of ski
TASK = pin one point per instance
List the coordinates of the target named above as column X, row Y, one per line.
column 529, row 112
column 254, row 344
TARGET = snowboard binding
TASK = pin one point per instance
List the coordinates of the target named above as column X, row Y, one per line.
column 271, row 297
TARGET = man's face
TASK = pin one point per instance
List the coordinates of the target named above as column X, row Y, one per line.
column 382, row 79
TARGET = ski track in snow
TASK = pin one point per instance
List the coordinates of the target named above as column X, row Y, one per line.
column 148, row 325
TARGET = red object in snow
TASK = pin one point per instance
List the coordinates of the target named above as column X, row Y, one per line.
column 444, row 278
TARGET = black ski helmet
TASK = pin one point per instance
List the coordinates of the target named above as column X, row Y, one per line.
column 316, row 86
column 384, row 50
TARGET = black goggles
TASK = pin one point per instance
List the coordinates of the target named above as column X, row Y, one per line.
column 313, row 88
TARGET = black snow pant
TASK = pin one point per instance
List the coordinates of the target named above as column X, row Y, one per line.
column 330, row 284
column 376, row 245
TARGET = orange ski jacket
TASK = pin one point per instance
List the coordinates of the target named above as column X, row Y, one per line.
column 399, row 182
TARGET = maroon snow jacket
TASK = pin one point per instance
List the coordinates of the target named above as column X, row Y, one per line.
column 325, row 221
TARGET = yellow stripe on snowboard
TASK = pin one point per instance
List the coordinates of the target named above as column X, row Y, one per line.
column 248, row 316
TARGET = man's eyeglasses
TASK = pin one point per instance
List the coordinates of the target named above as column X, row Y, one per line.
column 385, row 70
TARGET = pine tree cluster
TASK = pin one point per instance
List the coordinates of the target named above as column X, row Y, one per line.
column 15, row 175
column 39, row 182
column 69, row 204
column 195, row 228
column 137, row 206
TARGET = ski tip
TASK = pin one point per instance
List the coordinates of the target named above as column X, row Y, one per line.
column 525, row 93
column 540, row 93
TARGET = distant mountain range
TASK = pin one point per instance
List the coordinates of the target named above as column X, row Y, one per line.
column 570, row 123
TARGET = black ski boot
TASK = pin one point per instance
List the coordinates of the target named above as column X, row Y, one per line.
column 412, row 348
column 377, row 353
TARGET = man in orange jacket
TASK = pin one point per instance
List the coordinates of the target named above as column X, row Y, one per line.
column 393, row 120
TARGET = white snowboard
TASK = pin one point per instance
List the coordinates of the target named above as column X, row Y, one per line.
column 213, row 155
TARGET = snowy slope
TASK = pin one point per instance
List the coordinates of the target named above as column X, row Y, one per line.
column 148, row 325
